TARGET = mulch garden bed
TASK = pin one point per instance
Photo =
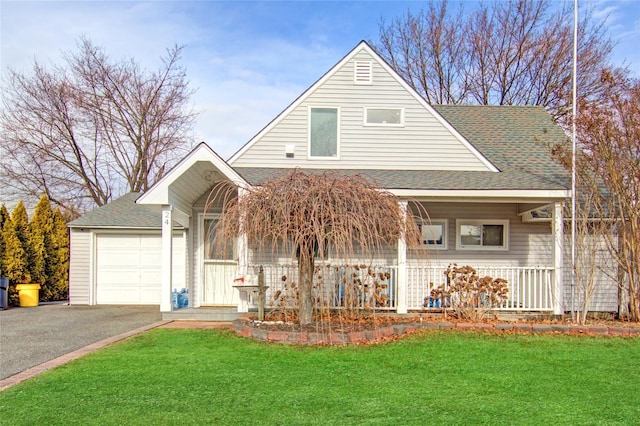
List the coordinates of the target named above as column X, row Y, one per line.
column 383, row 328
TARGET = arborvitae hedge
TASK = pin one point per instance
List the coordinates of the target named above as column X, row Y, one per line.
column 14, row 260
column 4, row 216
column 36, row 251
column 40, row 229
column 58, row 258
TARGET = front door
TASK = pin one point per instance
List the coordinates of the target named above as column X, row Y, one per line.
column 219, row 267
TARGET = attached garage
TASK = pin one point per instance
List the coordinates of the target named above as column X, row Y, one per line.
column 113, row 264
column 129, row 268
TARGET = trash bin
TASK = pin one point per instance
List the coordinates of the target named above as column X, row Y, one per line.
column 4, row 292
column 28, row 294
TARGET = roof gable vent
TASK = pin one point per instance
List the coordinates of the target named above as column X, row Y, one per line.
column 362, row 72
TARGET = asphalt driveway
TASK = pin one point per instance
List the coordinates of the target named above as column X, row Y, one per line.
column 31, row 336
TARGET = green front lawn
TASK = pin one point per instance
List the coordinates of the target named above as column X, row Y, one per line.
column 187, row 377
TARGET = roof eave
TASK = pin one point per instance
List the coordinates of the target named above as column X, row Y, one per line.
column 126, row 228
column 484, row 195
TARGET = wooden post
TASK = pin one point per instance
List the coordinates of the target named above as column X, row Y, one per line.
column 401, row 276
column 261, row 291
column 558, row 259
column 167, row 261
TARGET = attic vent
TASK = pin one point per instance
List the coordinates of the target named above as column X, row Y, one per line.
column 362, row 72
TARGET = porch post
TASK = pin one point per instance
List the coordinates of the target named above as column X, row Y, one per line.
column 401, row 277
column 558, row 259
column 167, row 261
column 242, row 247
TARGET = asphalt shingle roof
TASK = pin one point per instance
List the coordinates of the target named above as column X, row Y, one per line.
column 123, row 212
column 515, row 139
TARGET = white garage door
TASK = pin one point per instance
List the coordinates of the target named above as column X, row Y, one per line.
column 129, row 268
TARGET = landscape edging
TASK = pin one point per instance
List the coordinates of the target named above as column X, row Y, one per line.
column 245, row 327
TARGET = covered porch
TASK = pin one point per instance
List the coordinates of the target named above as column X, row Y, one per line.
column 498, row 232
column 531, row 289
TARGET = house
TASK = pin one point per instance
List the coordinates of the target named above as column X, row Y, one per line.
column 484, row 174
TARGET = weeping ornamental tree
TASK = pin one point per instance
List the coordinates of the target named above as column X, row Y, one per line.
column 303, row 214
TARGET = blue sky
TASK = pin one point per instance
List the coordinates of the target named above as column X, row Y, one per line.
column 247, row 60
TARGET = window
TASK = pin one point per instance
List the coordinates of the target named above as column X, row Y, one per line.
column 384, row 116
column 482, row 234
column 323, row 132
column 434, row 233
column 211, row 252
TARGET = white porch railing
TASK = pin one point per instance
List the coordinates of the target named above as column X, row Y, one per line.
column 530, row 287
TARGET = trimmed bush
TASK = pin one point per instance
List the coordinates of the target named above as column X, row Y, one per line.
column 35, row 251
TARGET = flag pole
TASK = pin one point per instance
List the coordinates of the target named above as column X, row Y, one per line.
column 573, row 158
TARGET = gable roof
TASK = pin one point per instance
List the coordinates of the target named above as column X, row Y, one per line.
column 517, row 139
column 122, row 213
column 364, row 46
column 160, row 192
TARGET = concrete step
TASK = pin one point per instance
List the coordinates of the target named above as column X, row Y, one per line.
column 202, row 314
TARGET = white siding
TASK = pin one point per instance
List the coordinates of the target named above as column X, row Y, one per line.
column 284, row 256
column 605, row 296
column 529, row 244
column 423, row 143
column 79, row 267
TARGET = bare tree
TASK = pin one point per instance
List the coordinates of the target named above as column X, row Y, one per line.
column 610, row 137
column 93, row 128
column 430, row 52
column 300, row 215
column 593, row 266
column 608, row 177
column 508, row 53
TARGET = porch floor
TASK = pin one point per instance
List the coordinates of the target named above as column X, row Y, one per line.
column 206, row 313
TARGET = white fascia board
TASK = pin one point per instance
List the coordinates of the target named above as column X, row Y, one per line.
column 125, row 229
column 299, row 100
column 489, row 195
column 159, row 192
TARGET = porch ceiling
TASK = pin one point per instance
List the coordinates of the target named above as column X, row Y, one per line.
column 194, row 182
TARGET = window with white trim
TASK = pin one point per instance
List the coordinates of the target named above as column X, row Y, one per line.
column 434, row 233
column 384, row 116
column 482, row 234
column 323, row 132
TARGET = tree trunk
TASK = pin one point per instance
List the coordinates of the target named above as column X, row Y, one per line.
column 261, row 291
column 623, row 293
column 305, row 278
column 634, row 304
